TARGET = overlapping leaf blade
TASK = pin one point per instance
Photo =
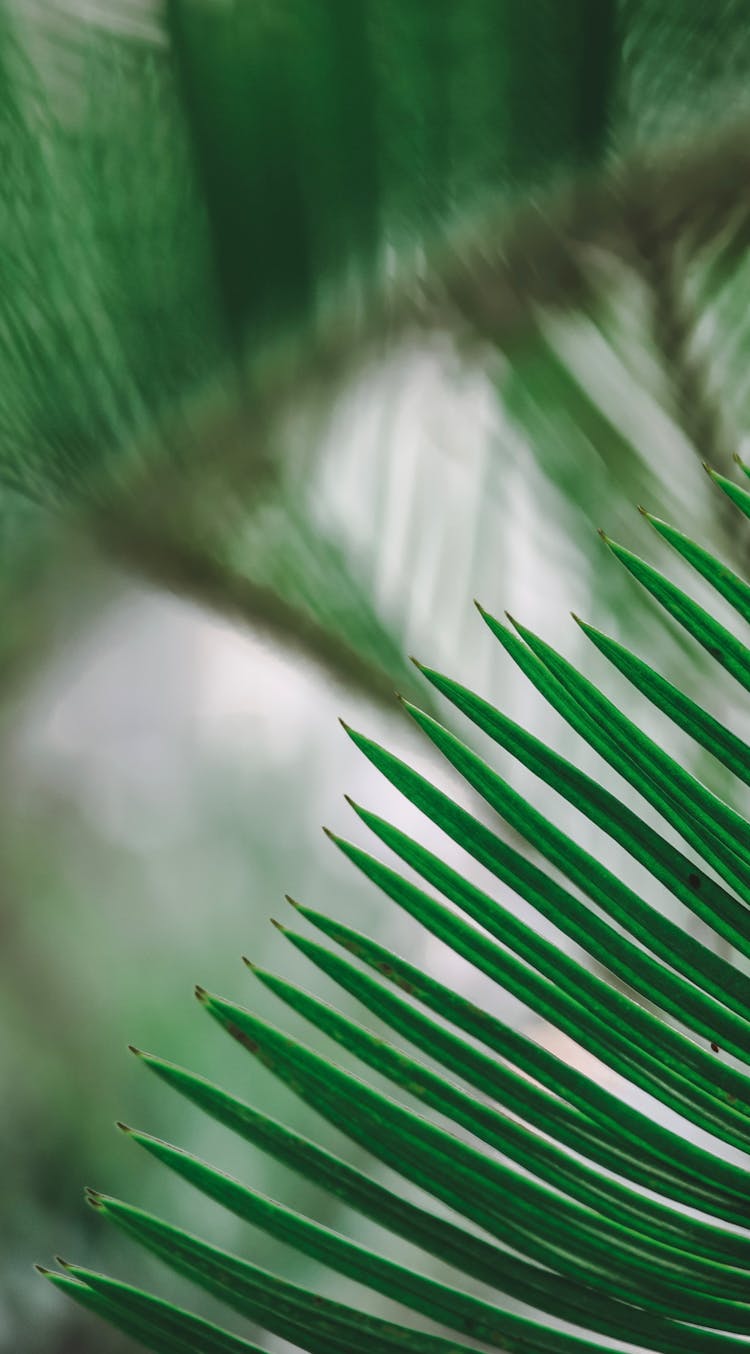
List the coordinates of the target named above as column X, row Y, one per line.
column 715, row 737
column 592, row 1211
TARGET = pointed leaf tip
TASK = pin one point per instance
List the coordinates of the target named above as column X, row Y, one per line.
column 64, row 1264
column 137, row 1051
column 201, row 993
column 346, row 727
column 351, row 802
column 122, row 1127
column 278, row 926
column 41, row 1269
column 293, row 901
column 643, row 511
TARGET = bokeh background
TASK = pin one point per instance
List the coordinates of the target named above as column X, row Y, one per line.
column 253, row 456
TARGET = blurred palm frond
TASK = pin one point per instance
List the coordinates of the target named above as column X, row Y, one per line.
column 220, row 218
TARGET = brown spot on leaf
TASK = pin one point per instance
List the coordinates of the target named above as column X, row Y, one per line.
column 243, row 1038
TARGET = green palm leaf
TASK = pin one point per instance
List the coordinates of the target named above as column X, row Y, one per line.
column 563, row 1194
column 218, row 212
column 211, row 209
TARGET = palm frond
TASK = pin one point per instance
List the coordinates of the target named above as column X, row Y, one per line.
column 218, row 213
column 629, row 1223
column 211, row 206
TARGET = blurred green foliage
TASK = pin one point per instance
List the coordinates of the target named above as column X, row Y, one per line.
column 326, row 351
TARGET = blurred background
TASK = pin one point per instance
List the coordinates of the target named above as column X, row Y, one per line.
column 316, row 322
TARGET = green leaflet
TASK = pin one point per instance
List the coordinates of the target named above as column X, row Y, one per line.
column 724, row 580
column 715, row 737
column 665, row 862
column 527, row 1217
column 616, row 1118
column 640, row 762
column 463, row 1249
column 618, row 1207
column 546, row 998
column 455, row 1309
column 518, row 1095
column 316, row 1323
column 157, row 1324
column 660, row 935
column 726, row 832
column 719, row 642
column 218, row 1271
column 601, row 1118
column 739, row 496
column 681, row 1073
